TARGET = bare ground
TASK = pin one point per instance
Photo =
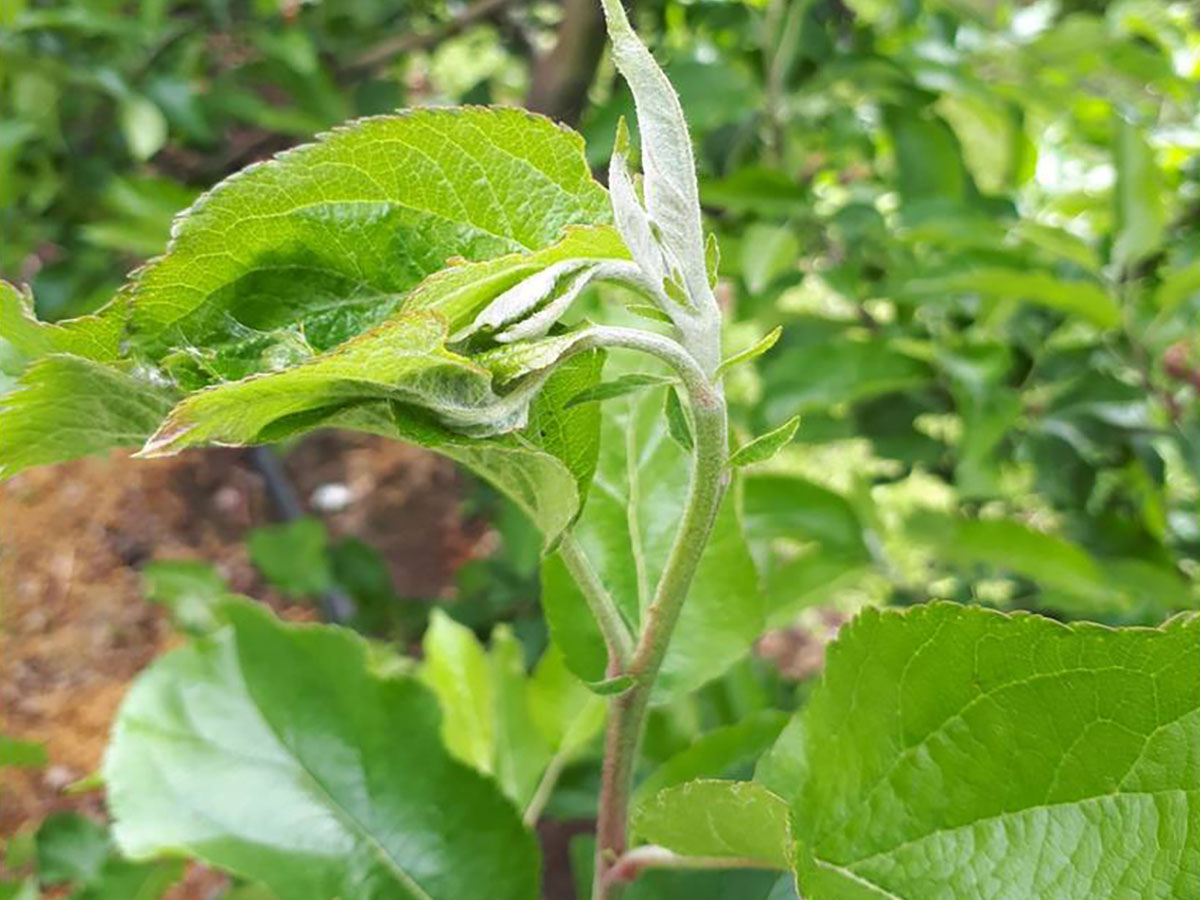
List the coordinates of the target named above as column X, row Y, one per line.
column 74, row 629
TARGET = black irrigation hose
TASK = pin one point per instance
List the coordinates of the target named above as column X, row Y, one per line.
column 336, row 605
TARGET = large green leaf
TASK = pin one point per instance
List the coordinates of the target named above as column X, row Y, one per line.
column 65, row 407
column 957, row 752
column 281, row 753
column 626, row 531
column 312, row 247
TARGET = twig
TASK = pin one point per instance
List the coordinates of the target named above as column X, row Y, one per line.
column 385, row 51
column 563, row 75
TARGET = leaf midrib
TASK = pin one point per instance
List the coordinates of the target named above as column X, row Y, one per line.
column 291, row 764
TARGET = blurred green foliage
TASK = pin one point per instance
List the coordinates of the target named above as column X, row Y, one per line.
column 977, row 222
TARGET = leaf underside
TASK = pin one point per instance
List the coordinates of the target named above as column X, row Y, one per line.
column 277, row 753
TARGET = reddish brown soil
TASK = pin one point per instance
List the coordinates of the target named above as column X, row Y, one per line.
column 73, row 626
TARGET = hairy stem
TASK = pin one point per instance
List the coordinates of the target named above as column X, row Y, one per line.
column 628, row 711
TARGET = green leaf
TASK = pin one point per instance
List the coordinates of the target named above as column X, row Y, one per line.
column 766, row 445
column 990, row 132
column 678, row 425
column 836, row 371
column 1085, row 299
column 618, row 387
column 65, row 407
column 144, row 126
column 437, row 398
column 626, row 531
column 277, row 752
column 1072, row 578
column 193, row 591
column 715, row 753
column 751, row 353
column 928, row 157
column 723, row 819
column 712, row 258
column 1141, row 211
column 329, row 237
column 646, row 311
column 93, row 337
column 768, row 252
column 785, row 506
column 522, row 754
column 566, row 714
column 70, row 848
column 1177, row 286
column 404, row 360
column 22, row 754
column 498, row 719
column 123, row 880
column 293, row 556
column 457, row 670
column 950, row 749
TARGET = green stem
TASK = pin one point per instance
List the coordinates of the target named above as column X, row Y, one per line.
column 545, row 788
column 628, row 711
column 616, row 632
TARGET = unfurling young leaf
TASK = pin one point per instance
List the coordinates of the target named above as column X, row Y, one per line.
column 767, row 445
column 712, row 258
column 666, row 238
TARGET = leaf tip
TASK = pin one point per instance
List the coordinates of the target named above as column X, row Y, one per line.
column 167, row 441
